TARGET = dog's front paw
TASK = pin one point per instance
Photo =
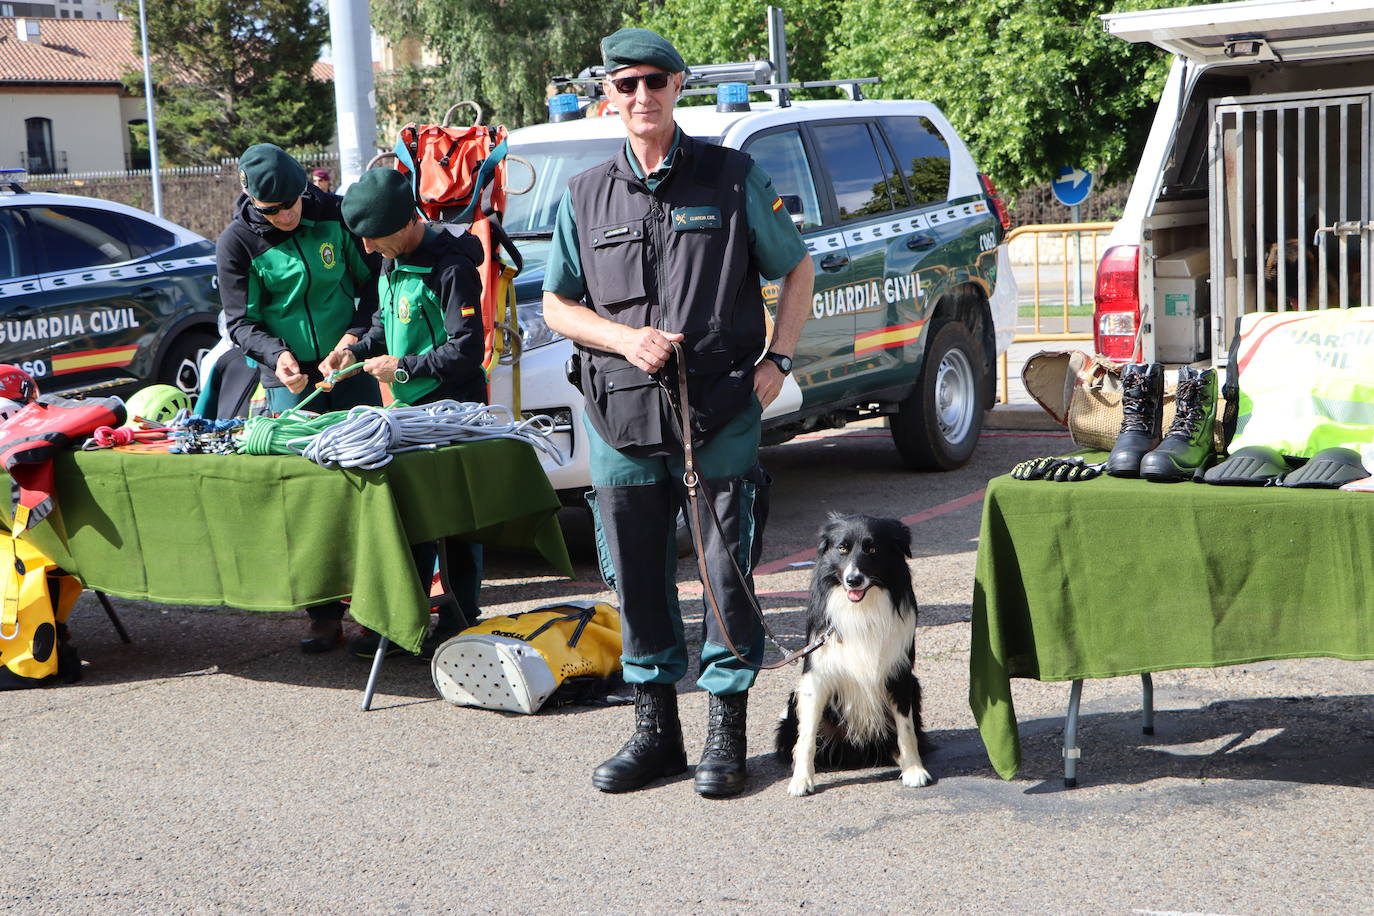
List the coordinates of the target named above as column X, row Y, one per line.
column 916, row 776
column 801, row 786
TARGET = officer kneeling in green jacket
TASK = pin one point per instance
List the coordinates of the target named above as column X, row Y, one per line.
column 426, row 340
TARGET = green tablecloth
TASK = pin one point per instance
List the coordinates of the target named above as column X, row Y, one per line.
column 1116, row 577
column 276, row 533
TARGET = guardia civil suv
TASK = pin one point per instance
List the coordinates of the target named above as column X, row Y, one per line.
column 914, row 295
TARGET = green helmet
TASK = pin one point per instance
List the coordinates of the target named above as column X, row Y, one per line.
column 157, row 404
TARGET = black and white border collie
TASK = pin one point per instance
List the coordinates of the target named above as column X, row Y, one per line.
column 858, row 702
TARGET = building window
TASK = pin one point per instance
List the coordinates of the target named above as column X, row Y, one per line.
column 39, row 134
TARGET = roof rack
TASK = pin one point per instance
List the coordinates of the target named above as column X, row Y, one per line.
column 757, row 75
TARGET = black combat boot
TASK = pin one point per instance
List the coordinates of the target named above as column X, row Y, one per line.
column 722, row 768
column 654, row 750
column 1142, row 402
column 1188, row 443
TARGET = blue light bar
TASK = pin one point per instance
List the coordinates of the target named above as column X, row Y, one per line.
column 566, row 106
column 732, row 97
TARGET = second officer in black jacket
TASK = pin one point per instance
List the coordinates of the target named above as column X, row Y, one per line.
column 426, row 341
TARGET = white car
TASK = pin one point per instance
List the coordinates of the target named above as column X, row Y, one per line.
column 914, row 295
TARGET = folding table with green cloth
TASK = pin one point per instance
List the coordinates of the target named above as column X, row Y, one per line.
column 1113, row 577
column 278, row 533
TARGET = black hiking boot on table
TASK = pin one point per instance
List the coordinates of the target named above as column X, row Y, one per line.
column 1188, row 443
column 722, row 769
column 1142, row 404
column 654, row 750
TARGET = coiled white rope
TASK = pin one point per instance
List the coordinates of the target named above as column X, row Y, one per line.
column 368, row 437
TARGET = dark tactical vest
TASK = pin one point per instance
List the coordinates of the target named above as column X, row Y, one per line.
column 677, row 259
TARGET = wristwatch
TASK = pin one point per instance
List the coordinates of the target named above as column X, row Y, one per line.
column 401, row 375
column 784, row 363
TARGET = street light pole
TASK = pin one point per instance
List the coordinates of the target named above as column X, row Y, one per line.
column 152, row 119
column 354, row 99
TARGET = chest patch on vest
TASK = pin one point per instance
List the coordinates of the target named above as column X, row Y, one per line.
column 686, row 219
column 327, row 257
column 403, row 310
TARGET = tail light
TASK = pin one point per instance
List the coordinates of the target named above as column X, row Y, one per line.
column 1116, row 310
column 998, row 207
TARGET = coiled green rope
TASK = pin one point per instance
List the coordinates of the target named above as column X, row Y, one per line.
column 283, row 435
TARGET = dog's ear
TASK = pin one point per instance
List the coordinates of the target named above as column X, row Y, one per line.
column 901, row 537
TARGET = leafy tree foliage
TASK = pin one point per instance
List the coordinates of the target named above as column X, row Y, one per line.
column 707, row 31
column 498, row 53
column 231, row 73
column 1030, row 85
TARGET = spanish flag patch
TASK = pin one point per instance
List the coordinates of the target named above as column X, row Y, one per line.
column 777, row 204
column 468, row 311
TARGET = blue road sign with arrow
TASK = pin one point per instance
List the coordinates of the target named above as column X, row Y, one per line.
column 1071, row 185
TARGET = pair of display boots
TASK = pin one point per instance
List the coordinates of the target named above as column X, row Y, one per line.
column 1140, row 450
column 656, row 750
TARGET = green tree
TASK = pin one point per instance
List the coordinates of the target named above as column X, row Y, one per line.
column 498, row 53
column 1029, row 85
column 231, row 73
column 707, row 31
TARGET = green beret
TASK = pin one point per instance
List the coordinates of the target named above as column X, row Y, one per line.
column 269, row 174
column 378, row 204
column 640, row 46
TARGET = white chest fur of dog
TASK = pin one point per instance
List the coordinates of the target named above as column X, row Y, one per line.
column 870, row 643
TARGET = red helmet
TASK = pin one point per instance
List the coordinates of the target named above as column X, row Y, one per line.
column 16, row 384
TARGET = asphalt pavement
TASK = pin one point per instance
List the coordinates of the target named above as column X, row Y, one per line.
column 209, row 767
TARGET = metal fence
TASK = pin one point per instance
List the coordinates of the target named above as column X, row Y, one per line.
column 200, row 197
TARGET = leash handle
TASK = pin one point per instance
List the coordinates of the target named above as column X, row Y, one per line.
column 692, row 481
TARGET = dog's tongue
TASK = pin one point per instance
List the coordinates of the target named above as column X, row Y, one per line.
column 857, row 594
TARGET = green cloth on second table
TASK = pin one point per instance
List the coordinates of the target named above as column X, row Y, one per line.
column 277, row 533
column 1114, row 577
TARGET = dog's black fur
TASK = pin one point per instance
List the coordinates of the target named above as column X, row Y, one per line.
column 862, row 556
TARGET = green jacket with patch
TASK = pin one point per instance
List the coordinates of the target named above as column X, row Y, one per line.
column 300, row 290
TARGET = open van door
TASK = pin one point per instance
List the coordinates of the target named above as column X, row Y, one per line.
column 1279, row 30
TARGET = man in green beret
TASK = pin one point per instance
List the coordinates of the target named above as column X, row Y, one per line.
column 662, row 245
column 295, row 286
column 426, row 341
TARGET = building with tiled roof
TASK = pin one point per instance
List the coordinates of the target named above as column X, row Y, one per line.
column 62, row 105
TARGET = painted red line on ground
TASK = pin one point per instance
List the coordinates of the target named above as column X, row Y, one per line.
column 767, row 569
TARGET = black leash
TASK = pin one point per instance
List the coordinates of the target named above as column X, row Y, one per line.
column 693, row 482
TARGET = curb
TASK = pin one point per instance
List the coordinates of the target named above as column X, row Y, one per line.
column 1019, row 415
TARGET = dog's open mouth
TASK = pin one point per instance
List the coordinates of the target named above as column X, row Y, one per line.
column 857, row 594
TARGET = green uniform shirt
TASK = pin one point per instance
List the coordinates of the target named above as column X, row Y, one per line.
column 774, row 241
column 414, row 321
column 304, row 290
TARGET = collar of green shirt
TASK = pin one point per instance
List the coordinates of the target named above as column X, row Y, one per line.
column 661, row 172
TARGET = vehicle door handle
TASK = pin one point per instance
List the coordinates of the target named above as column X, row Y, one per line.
column 834, row 261
column 147, row 294
column 921, row 242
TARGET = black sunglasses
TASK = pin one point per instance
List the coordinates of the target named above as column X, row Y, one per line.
column 269, row 211
column 627, row 85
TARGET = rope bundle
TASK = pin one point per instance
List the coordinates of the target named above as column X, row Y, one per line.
column 368, row 437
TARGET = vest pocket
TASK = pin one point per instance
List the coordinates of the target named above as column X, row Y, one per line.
column 627, row 399
column 615, row 273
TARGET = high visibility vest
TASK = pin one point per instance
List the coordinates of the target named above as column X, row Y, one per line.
column 1306, row 381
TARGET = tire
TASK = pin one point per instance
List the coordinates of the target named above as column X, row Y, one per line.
column 180, row 366
column 936, row 428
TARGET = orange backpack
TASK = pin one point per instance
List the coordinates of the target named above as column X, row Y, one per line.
column 459, row 176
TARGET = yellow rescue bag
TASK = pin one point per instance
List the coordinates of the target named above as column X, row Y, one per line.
column 515, row 663
column 36, row 598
